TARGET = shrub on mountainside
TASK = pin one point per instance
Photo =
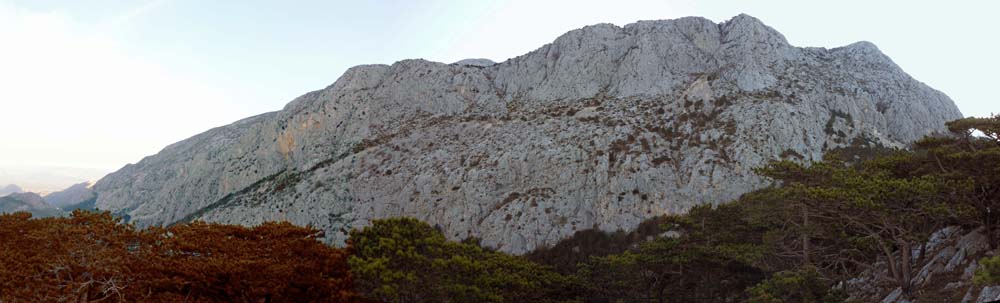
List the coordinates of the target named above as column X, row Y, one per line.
column 988, row 271
column 798, row 286
column 969, row 159
column 81, row 258
column 876, row 212
column 565, row 255
column 717, row 255
column 405, row 260
column 272, row 262
column 972, row 156
column 92, row 257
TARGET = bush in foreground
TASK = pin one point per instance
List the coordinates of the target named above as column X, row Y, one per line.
column 90, row 257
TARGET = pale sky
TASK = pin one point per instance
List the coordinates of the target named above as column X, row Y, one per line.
column 94, row 85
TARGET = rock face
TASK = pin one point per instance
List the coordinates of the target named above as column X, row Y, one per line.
column 27, row 202
column 75, row 194
column 951, row 256
column 10, row 189
column 604, row 127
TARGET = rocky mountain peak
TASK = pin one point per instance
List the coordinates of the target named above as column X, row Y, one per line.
column 744, row 28
column 602, row 128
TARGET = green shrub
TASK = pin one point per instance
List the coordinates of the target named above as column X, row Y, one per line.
column 799, row 286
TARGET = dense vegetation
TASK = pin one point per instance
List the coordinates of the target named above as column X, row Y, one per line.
column 821, row 224
column 92, row 257
column 405, row 260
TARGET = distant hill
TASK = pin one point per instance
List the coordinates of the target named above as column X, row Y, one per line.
column 10, row 189
column 46, row 179
column 79, row 196
column 73, row 195
column 29, row 202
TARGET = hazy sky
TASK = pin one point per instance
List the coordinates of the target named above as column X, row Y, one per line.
column 98, row 84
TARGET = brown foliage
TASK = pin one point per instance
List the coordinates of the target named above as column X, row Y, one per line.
column 92, row 257
column 82, row 258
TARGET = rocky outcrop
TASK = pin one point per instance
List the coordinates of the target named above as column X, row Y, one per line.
column 480, row 62
column 604, row 127
column 952, row 256
column 27, row 202
column 75, row 194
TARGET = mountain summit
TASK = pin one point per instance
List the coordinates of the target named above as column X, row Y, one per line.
column 602, row 128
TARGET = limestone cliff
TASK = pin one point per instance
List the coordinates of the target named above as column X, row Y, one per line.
column 604, row 127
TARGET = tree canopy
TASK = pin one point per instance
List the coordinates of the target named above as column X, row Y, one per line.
column 405, row 260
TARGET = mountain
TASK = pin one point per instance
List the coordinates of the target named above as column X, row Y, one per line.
column 10, row 189
column 75, row 194
column 47, row 179
column 603, row 128
column 29, row 202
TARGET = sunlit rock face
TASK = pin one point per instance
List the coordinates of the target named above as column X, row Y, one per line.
column 604, row 127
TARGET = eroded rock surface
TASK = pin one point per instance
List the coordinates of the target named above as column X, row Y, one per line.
column 604, row 127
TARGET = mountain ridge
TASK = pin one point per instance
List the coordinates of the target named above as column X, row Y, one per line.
column 73, row 194
column 27, row 202
column 603, row 127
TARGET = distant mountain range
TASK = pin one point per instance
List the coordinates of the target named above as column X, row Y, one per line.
column 28, row 202
column 10, row 189
column 78, row 196
column 70, row 196
column 47, row 179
